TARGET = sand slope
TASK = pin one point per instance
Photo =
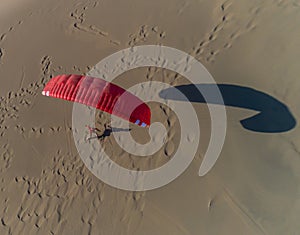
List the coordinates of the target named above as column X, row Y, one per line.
column 45, row 187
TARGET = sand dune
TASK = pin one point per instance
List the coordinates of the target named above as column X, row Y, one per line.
column 45, row 188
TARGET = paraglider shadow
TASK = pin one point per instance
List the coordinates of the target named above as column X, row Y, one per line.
column 273, row 116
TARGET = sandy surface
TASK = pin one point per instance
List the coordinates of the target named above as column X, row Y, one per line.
column 45, row 187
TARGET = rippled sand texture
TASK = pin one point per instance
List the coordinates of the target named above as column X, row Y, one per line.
column 45, row 187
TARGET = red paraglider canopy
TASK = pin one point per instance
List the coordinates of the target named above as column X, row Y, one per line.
column 100, row 94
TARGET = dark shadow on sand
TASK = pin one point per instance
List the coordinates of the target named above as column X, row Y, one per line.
column 274, row 116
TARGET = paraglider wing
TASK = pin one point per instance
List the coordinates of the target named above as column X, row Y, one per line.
column 100, row 94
